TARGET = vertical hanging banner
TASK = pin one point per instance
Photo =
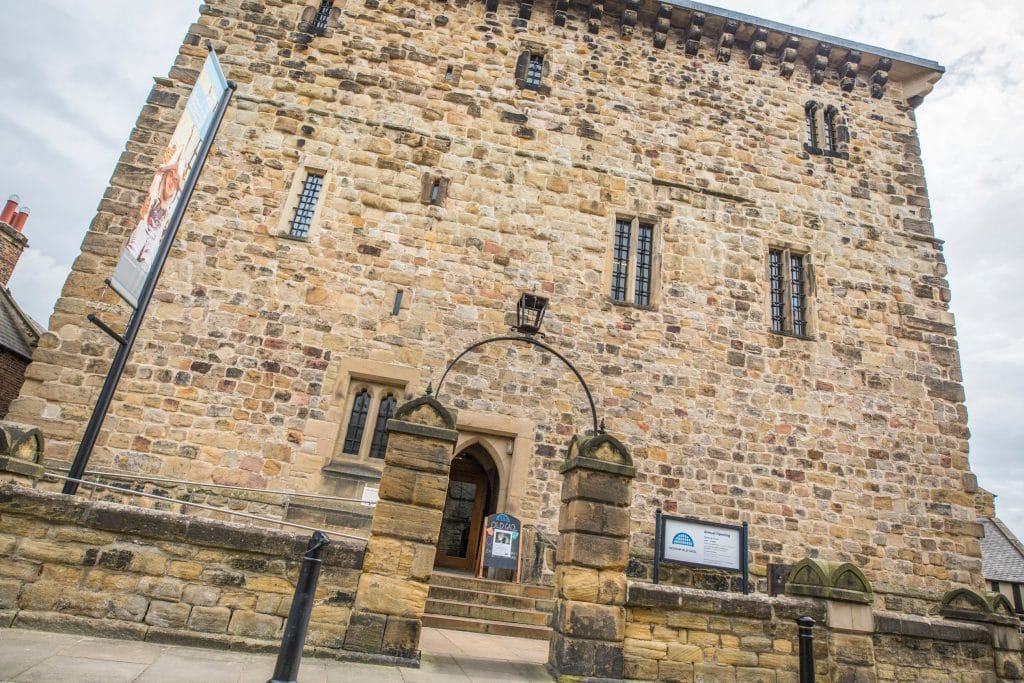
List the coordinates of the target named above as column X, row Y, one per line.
column 143, row 260
column 178, row 162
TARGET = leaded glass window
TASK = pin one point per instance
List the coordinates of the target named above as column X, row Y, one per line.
column 385, row 411
column 788, row 291
column 304, row 210
column 357, row 422
column 534, row 72
column 323, row 14
column 620, row 260
column 644, row 257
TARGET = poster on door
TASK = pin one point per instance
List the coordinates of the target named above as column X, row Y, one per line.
column 502, row 536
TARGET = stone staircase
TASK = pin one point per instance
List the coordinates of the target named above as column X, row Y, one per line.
column 464, row 603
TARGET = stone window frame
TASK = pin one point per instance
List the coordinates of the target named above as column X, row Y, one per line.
column 306, row 166
column 317, row 18
column 786, row 326
column 825, row 130
column 635, row 221
column 530, row 52
column 433, row 189
column 378, row 378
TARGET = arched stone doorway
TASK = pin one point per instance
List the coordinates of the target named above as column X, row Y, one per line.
column 472, row 495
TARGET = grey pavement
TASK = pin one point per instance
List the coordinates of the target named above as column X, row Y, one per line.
column 42, row 657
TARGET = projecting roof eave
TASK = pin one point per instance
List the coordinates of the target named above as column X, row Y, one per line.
column 917, row 75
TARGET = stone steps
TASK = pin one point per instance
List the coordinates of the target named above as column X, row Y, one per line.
column 465, row 603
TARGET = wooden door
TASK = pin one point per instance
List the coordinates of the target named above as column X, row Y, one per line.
column 459, row 540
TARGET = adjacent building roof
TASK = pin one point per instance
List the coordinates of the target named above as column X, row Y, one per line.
column 1002, row 555
column 19, row 333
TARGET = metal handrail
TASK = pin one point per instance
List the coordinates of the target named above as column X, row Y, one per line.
column 298, row 494
column 246, row 515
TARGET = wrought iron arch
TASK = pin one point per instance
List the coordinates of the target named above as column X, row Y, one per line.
column 598, row 428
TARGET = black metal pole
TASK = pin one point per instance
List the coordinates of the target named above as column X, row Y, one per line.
column 290, row 655
column 745, row 557
column 658, row 543
column 124, row 350
column 806, row 637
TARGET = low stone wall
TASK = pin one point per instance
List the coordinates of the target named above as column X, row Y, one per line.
column 114, row 570
column 682, row 634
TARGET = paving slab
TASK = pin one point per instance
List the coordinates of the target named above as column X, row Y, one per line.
column 447, row 656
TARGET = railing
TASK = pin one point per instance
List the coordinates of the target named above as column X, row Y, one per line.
column 95, row 485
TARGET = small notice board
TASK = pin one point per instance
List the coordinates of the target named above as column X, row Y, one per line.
column 502, row 536
column 688, row 541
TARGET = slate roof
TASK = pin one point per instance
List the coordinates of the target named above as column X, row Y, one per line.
column 1002, row 555
column 19, row 333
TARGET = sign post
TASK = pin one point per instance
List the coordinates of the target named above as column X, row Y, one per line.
column 696, row 543
column 502, row 537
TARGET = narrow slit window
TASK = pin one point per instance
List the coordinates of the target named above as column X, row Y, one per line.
column 620, row 264
column 449, row 73
column 435, row 192
column 811, row 115
column 299, row 226
column 644, row 258
column 357, row 422
column 777, row 291
column 323, row 14
column 379, row 445
column 397, row 308
column 534, row 72
column 830, row 139
column 799, row 301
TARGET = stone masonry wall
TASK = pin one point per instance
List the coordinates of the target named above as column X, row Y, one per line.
column 120, row 571
column 851, row 444
column 677, row 634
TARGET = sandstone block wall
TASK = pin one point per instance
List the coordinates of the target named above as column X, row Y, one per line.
column 675, row 634
column 852, row 442
column 119, row 571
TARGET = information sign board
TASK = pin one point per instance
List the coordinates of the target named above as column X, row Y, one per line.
column 694, row 542
column 502, row 536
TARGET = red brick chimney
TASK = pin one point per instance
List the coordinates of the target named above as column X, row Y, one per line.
column 12, row 242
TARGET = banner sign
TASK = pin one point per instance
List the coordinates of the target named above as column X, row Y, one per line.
column 177, row 163
column 683, row 540
column 502, row 536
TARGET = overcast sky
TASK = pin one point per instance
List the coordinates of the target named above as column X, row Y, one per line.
column 74, row 75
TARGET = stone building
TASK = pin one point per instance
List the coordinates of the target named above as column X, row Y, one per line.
column 728, row 215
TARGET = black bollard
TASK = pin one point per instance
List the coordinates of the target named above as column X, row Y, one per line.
column 806, row 637
column 290, row 655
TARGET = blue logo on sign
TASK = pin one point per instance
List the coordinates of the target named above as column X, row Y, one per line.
column 502, row 517
column 683, row 538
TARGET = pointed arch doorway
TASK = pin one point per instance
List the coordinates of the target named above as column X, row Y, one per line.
column 472, row 495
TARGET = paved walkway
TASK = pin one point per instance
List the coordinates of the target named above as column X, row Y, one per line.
column 40, row 657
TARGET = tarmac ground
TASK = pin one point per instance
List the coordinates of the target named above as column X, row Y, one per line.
column 43, row 657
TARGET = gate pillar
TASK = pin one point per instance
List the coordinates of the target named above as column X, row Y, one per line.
column 593, row 550
column 391, row 597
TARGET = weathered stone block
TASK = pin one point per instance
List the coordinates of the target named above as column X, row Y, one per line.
column 254, row 625
column 381, row 594
column 410, row 522
column 592, row 551
column 590, row 621
column 594, row 518
column 401, row 637
column 599, row 487
column 576, row 657
column 167, row 614
column 365, row 632
column 209, row 619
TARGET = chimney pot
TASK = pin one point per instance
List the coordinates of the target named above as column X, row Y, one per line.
column 19, row 219
column 10, row 208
